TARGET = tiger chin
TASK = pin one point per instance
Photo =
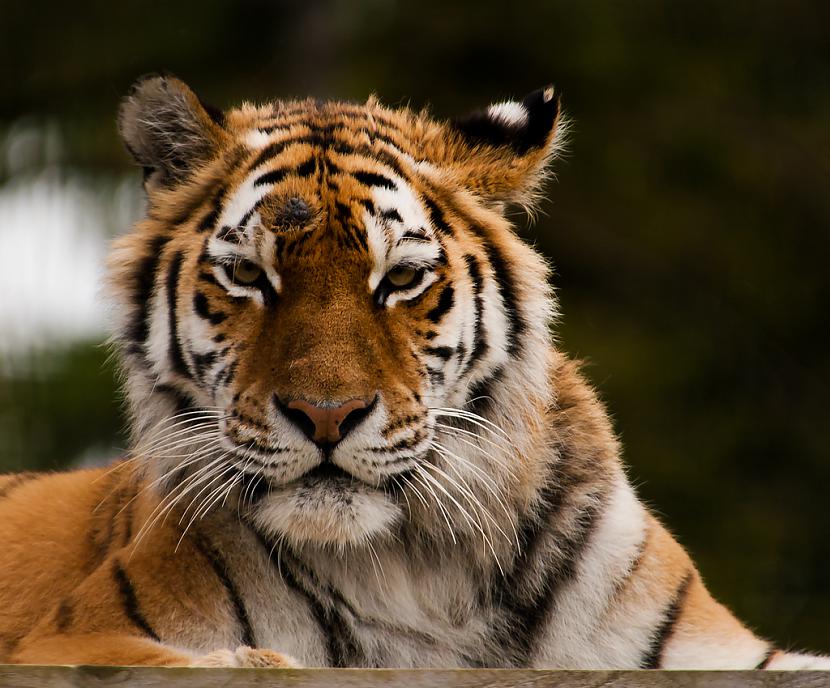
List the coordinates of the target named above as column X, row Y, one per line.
column 354, row 441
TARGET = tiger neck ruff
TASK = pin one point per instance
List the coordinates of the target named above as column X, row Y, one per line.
column 355, row 443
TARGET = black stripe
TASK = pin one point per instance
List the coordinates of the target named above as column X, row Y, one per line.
column 63, row 616
column 651, row 660
column 445, row 302
column 505, row 281
column 342, row 648
column 130, row 602
column 176, row 357
column 314, row 604
column 306, row 168
column 182, row 400
column 481, row 393
column 393, row 216
column 272, row 177
column 525, row 606
column 442, row 352
column 220, row 568
column 374, row 179
column 202, row 308
column 764, row 663
column 144, row 279
column 368, row 204
column 202, row 361
column 14, row 482
column 480, row 345
column 210, row 218
column 436, row 215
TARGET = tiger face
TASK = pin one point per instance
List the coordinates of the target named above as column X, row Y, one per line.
column 325, row 313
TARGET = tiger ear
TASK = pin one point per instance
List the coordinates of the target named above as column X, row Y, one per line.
column 167, row 129
column 502, row 152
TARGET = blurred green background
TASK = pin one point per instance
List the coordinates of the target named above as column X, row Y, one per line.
column 689, row 228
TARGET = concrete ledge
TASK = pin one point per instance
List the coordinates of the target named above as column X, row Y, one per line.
column 93, row 676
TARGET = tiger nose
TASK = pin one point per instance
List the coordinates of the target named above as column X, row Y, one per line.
column 325, row 424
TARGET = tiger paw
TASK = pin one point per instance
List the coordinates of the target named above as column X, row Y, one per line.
column 247, row 657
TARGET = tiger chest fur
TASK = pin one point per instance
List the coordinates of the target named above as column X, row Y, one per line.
column 354, row 441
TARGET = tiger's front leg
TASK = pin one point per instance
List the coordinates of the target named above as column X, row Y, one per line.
column 119, row 649
column 139, row 608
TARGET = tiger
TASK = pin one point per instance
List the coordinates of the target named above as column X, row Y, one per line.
column 355, row 440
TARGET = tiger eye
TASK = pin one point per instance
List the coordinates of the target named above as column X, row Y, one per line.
column 246, row 272
column 402, row 276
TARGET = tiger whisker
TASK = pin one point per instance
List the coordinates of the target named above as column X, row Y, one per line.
column 176, row 495
column 489, row 484
column 475, row 418
column 476, row 505
column 441, row 508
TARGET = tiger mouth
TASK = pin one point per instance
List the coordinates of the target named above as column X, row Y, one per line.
column 327, row 473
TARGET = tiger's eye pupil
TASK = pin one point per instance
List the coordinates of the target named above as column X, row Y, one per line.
column 246, row 272
column 402, row 277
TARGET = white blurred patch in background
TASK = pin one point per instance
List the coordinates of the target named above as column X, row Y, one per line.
column 55, row 228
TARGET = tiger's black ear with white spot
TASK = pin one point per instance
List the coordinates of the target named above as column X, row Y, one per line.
column 505, row 148
column 167, row 129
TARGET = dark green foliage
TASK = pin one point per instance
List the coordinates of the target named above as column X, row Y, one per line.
column 60, row 406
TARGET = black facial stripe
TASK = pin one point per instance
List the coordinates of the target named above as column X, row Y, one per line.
column 374, row 179
column 445, row 303
column 652, row 658
column 380, row 156
column 201, row 362
column 442, row 352
column 272, row 177
column 182, row 400
column 307, row 168
column 480, row 394
column 175, row 352
column 202, row 308
column 505, row 281
column 394, row 216
column 479, row 338
column 144, row 279
column 368, row 204
column 436, row 215
column 208, row 222
column 231, row 373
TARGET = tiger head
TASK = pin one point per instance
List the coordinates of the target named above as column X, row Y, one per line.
column 326, row 314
